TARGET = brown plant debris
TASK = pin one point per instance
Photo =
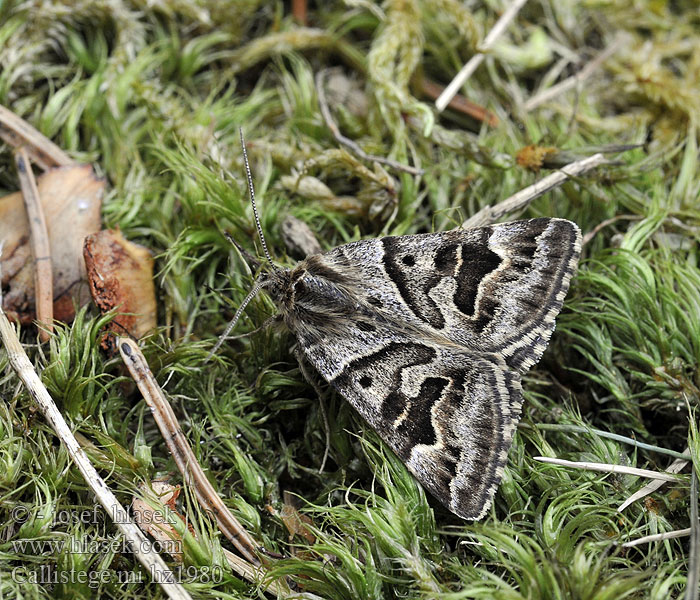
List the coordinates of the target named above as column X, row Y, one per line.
column 532, row 157
column 154, row 521
column 294, row 521
column 71, row 199
column 38, row 242
column 120, row 275
column 459, row 103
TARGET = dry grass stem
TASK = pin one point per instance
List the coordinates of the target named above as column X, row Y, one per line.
column 657, row 537
column 180, row 449
column 256, row 574
column 473, row 63
column 609, row 468
column 39, row 242
column 649, row 488
column 603, row 224
column 139, row 544
column 520, row 200
column 459, row 103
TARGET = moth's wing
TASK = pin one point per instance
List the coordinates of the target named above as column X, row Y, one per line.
column 492, row 289
column 447, row 413
column 426, row 336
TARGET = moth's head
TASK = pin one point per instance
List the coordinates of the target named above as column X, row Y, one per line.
column 278, row 283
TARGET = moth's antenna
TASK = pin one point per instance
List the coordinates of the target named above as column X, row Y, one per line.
column 260, row 283
column 252, row 200
column 232, row 324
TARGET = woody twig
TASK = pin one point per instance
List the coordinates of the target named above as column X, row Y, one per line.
column 134, row 536
column 181, row 451
column 491, row 214
column 39, row 242
column 300, row 11
column 471, row 66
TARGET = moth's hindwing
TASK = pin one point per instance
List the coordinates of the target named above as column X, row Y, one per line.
column 447, row 413
column 427, row 335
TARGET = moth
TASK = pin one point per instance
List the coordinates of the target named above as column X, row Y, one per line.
column 427, row 337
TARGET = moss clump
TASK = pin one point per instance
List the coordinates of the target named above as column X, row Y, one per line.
column 153, row 94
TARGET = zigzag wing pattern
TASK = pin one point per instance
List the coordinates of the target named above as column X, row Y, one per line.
column 492, row 289
column 447, row 414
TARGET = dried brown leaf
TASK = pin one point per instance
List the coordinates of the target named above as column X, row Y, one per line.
column 154, row 521
column 71, row 198
column 120, row 274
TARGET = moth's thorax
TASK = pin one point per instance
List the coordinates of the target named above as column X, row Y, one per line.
column 301, row 288
column 314, row 300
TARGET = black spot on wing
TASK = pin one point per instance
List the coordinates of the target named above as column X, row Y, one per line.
column 417, row 427
column 478, row 260
column 413, row 285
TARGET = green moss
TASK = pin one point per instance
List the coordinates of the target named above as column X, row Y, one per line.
column 153, row 94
